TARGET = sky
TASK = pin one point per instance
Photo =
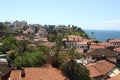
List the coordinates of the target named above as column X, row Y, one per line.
column 87, row 14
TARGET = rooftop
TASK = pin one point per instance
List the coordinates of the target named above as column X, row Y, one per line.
column 100, row 68
column 49, row 44
column 82, row 43
column 99, row 52
column 73, row 38
column 46, row 72
column 114, row 40
column 4, row 69
column 96, row 46
column 104, row 44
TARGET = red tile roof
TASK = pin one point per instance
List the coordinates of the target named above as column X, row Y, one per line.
column 100, row 68
column 82, row 43
column 15, row 75
column 114, row 40
column 46, row 72
column 21, row 38
column 95, row 46
column 93, row 71
column 73, row 38
column 49, row 44
column 99, row 45
column 104, row 44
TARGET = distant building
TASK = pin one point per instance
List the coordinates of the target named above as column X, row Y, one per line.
column 49, row 44
column 103, row 70
column 16, row 25
column 42, row 32
column 99, row 54
column 76, row 41
column 114, row 42
column 19, row 23
column 20, row 38
column 40, row 39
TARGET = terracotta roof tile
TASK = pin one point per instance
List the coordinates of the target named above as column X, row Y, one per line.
column 95, row 46
column 15, row 75
column 93, row 71
column 104, row 44
column 114, row 40
column 49, row 44
column 83, row 42
column 100, row 68
column 73, row 38
column 21, row 38
column 104, row 66
column 46, row 72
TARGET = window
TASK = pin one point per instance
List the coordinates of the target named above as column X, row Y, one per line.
column 118, row 54
column 82, row 46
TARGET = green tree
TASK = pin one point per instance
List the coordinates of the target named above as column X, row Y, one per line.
column 32, row 59
column 9, row 43
column 51, row 37
column 75, row 71
column 44, row 49
column 57, row 58
column 22, row 46
column 31, row 48
column 11, row 56
column 72, row 69
column 1, row 26
column 70, row 54
column 58, row 40
column 95, row 41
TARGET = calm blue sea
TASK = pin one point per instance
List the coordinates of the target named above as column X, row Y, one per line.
column 103, row 35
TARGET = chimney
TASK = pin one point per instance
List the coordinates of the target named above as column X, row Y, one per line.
column 22, row 72
column 74, row 38
column 67, row 39
column 78, row 39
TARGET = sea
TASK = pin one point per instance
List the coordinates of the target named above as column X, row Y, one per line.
column 103, row 35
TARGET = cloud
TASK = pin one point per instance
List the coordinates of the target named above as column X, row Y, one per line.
column 109, row 25
column 114, row 22
column 104, row 25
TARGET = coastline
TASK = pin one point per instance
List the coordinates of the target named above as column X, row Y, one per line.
column 103, row 35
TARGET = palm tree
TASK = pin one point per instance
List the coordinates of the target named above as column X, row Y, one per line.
column 70, row 54
column 72, row 69
column 57, row 58
column 92, row 34
column 75, row 71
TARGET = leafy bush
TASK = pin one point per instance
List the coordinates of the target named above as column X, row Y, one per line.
column 75, row 71
column 34, row 59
